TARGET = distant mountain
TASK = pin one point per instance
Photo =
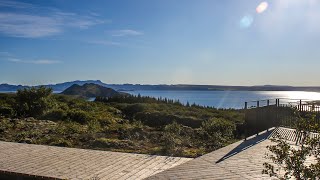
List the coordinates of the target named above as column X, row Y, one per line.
column 55, row 87
column 90, row 90
column 65, row 85
column 8, row 87
column 178, row 87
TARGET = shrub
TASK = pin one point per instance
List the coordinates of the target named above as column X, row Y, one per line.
column 78, row 116
column 301, row 161
column 65, row 128
column 56, row 114
column 33, row 101
column 131, row 110
column 93, row 126
column 157, row 119
column 217, row 131
column 6, row 111
column 171, row 138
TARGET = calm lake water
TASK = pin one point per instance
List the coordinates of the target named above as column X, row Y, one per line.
column 229, row 99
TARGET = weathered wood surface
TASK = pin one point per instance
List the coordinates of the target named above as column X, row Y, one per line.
column 241, row 160
column 71, row 163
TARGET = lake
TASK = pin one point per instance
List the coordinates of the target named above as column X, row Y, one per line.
column 228, row 99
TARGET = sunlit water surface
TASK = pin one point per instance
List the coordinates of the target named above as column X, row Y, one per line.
column 229, row 99
column 225, row 99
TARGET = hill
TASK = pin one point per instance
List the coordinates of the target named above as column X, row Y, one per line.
column 90, row 90
column 180, row 87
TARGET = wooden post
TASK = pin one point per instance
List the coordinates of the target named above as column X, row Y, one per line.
column 300, row 105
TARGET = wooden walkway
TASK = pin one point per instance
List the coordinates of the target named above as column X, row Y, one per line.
column 241, row 160
column 69, row 163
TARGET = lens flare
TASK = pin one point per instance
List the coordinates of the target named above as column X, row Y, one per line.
column 262, row 7
column 246, row 21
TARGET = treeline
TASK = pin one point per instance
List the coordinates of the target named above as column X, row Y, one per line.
column 145, row 99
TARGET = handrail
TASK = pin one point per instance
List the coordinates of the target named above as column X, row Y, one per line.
column 291, row 102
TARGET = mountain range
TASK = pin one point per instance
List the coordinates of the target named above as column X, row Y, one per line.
column 134, row 87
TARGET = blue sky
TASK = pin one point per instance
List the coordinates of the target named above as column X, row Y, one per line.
column 225, row 42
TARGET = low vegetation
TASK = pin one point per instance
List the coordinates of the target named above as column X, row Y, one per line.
column 120, row 123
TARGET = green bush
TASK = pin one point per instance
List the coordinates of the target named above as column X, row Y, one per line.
column 93, row 126
column 6, row 111
column 132, row 109
column 220, row 125
column 33, row 101
column 217, row 132
column 56, row 114
column 78, row 116
column 68, row 127
column 158, row 119
column 171, row 138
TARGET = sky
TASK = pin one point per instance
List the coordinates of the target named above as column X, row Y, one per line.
column 229, row 42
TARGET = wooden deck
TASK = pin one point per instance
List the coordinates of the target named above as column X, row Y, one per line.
column 241, row 160
column 69, row 163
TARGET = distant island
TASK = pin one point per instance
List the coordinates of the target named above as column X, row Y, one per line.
column 179, row 87
column 91, row 90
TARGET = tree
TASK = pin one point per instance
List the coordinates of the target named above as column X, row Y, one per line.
column 289, row 161
column 33, row 101
column 187, row 105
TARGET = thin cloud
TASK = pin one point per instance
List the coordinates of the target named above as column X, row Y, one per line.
column 105, row 42
column 126, row 32
column 13, row 4
column 45, row 61
column 41, row 61
column 4, row 54
column 47, row 22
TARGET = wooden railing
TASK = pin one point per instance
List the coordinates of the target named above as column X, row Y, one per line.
column 264, row 114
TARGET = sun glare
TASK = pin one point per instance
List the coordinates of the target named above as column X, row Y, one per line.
column 246, row 21
column 262, row 7
column 303, row 95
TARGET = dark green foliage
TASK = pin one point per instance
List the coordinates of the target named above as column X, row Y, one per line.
column 171, row 138
column 7, row 111
column 156, row 119
column 137, row 99
column 33, row 101
column 78, row 116
column 217, row 131
column 132, row 109
column 55, row 114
